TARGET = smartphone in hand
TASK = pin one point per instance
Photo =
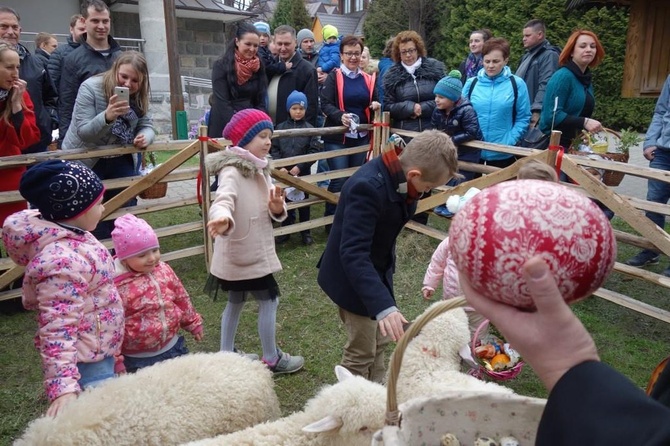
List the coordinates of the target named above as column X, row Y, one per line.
column 122, row 94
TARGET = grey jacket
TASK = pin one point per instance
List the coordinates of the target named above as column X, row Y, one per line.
column 535, row 68
column 89, row 129
column 658, row 133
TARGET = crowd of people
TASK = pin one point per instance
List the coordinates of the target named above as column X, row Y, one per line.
column 125, row 309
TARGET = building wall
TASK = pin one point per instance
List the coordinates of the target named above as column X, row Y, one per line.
column 41, row 15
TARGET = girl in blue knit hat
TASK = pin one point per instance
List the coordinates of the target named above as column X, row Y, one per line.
column 240, row 220
column 455, row 116
column 69, row 278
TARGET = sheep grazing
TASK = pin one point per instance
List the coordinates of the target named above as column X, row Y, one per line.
column 194, row 396
column 346, row 414
column 431, row 363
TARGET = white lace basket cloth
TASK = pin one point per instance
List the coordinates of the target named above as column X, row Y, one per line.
column 467, row 415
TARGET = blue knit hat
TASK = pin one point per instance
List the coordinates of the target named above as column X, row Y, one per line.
column 262, row 27
column 296, row 97
column 60, row 189
column 245, row 125
column 450, row 86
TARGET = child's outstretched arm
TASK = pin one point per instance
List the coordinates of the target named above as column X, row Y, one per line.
column 218, row 227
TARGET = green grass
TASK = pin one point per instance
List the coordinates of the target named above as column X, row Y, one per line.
column 307, row 323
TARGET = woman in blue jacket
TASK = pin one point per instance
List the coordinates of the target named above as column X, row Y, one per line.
column 571, row 84
column 501, row 101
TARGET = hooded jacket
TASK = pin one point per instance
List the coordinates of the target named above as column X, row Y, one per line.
column 402, row 91
column 329, row 56
column 247, row 249
column 493, row 100
column 69, row 280
column 156, row 306
column 462, row 125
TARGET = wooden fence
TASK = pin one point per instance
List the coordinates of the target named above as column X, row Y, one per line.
column 628, row 208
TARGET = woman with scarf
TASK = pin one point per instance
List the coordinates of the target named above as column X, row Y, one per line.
column 409, row 83
column 572, row 85
column 18, row 129
column 238, row 79
column 100, row 118
column 475, row 61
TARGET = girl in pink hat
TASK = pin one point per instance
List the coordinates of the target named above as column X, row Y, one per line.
column 240, row 220
column 156, row 303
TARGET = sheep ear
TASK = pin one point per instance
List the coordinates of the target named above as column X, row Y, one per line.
column 342, row 373
column 325, row 424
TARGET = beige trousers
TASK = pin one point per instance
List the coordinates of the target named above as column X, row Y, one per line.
column 364, row 351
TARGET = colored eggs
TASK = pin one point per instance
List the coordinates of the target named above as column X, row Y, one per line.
column 502, row 227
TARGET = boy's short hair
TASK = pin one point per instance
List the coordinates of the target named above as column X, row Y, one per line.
column 537, row 170
column 433, row 153
column 42, row 38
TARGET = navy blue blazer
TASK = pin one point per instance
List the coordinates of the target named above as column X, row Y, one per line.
column 593, row 404
column 356, row 268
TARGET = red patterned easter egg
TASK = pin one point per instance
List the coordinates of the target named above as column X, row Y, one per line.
column 503, row 226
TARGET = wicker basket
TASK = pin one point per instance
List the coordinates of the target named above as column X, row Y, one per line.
column 468, row 415
column 609, row 177
column 156, row 190
column 481, row 371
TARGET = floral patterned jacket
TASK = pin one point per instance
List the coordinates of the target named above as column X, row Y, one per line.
column 156, row 306
column 69, row 280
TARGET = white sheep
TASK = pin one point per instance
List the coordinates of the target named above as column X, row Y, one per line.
column 194, row 396
column 346, row 414
column 431, row 362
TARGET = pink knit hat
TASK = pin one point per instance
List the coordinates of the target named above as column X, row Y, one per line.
column 245, row 125
column 132, row 236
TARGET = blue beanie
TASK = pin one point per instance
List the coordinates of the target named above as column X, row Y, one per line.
column 450, row 86
column 296, row 97
column 262, row 27
column 61, row 190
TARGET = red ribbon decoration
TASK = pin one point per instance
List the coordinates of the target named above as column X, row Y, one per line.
column 559, row 158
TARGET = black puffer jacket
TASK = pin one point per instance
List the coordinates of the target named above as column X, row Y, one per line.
column 56, row 60
column 462, row 125
column 402, row 91
column 42, row 93
column 295, row 145
column 79, row 65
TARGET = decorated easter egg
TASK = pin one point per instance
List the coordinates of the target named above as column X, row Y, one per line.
column 503, row 226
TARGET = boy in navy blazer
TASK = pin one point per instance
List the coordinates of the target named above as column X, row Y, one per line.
column 356, row 268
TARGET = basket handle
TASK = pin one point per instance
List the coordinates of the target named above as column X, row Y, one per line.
column 475, row 336
column 392, row 413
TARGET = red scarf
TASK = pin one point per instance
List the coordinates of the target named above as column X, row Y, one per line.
column 392, row 163
column 245, row 68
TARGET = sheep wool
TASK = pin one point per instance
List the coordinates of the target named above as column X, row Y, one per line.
column 344, row 414
column 183, row 399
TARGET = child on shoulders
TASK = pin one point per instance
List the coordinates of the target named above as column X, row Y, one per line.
column 68, row 278
column 240, row 220
column 156, row 303
column 455, row 116
column 296, row 105
column 272, row 65
column 329, row 54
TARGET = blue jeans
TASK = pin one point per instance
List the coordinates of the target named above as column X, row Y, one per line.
column 93, row 373
column 108, row 169
column 134, row 364
column 658, row 191
column 343, row 162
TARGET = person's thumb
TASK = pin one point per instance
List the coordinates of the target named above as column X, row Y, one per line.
column 542, row 285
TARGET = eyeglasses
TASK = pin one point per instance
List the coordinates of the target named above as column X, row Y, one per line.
column 408, row 51
column 351, row 55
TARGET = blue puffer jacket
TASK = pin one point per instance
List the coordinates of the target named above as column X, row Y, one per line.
column 658, row 133
column 329, row 57
column 462, row 125
column 493, row 100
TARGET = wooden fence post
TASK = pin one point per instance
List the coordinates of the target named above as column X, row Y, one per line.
column 206, row 195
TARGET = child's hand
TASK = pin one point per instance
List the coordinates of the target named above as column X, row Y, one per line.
column 375, row 105
column 198, row 333
column 428, row 292
column 289, row 65
column 283, row 169
column 60, row 402
column 218, row 227
column 276, row 203
column 294, row 171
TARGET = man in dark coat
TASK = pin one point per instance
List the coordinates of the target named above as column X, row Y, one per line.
column 96, row 54
column 40, row 88
column 77, row 29
column 301, row 77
